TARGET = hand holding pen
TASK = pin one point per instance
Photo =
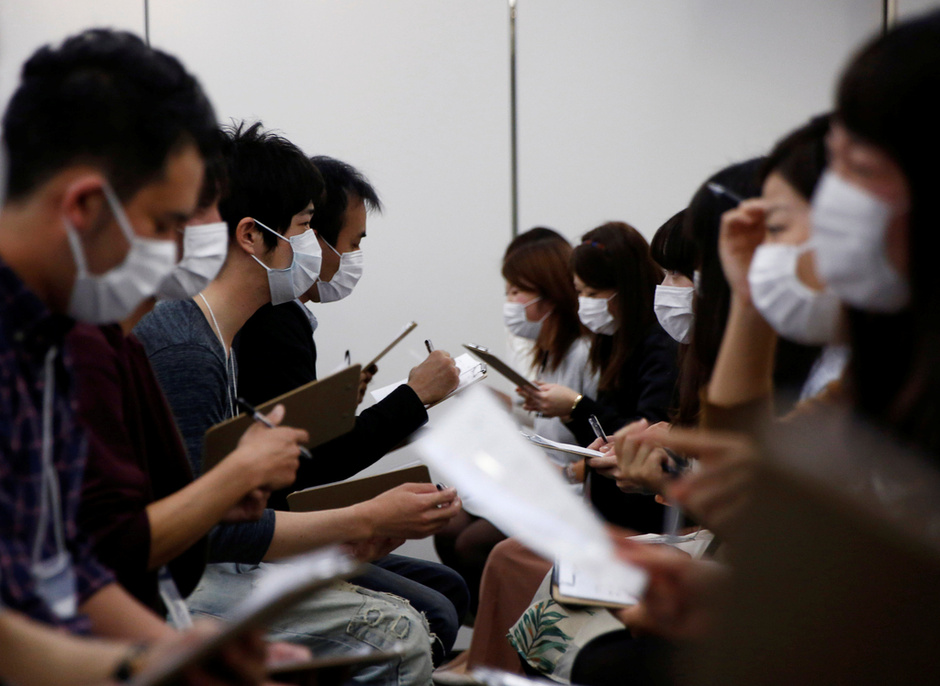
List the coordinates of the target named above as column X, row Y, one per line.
column 250, row 409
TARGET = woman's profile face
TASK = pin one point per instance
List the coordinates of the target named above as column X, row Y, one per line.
column 787, row 219
column 534, row 312
column 677, row 279
column 872, row 169
column 585, row 291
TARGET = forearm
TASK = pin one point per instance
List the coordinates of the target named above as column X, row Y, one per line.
column 745, row 364
column 31, row 653
column 114, row 613
column 181, row 519
column 299, row 532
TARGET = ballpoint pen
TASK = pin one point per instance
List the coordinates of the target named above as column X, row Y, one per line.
column 718, row 189
column 260, row 418
column 598, row 429
column 427, row 344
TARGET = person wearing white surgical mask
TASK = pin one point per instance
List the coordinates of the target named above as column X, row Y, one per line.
column 635, row 360
column 290, row 329
column 204, row 247
column 673, row 301
column 766, row 249
column 98, row 175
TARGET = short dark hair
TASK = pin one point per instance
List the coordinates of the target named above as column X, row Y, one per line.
column 671, row 249
column 800, row 156
column 268, row 179
column 106, row 99
column 340, row 182
column 616, row 256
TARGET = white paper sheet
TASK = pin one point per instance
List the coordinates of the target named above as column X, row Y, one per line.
column 471, row 370
column 476, row 447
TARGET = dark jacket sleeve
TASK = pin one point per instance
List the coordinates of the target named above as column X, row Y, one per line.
column 276, row 354
column 378, row 430
column 647, row 389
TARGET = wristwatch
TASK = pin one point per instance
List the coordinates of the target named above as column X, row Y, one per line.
column 130, row 664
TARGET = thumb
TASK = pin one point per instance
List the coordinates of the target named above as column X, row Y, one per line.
column 276, row 415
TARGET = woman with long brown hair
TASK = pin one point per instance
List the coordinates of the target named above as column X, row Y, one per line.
column 541, row 312
column 616, row 279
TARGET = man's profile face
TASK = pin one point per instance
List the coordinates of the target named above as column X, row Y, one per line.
column 281, row 255
column 159, row 210
column 349, row 238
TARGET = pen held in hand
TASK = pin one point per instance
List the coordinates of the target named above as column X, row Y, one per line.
column 598, row 429
column 428, row 345
column 261, row 419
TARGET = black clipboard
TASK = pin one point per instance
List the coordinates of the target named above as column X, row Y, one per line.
column 500, row 366
column 325, row 409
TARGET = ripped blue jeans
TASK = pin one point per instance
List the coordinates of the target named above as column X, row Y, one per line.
column 341, row 620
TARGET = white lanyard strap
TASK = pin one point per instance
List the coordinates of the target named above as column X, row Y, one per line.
column 231, row 388
column 49, row 486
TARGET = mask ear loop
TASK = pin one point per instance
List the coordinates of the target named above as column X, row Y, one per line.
column 120, row 216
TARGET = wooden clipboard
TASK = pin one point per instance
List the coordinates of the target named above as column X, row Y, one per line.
column 500, row 366
column 408, row 329
column 325, row 409
column 346, row 493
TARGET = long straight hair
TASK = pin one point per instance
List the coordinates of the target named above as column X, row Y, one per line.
column 887, row 97
column 616, row 256
column 537, row 261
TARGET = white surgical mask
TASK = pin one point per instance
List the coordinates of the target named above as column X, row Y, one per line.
column 793, row 309
column 204, row 250
column 518, row 324
column 345, row 278
column 112, row 296
column 295, row 280
column 595, row 316
column 849, row 226
column 673, row 307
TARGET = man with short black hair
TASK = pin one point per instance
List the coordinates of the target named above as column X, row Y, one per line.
column 340, row 222
column 106, row 141
column 274, row 257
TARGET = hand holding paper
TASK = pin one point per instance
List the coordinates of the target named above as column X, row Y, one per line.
column 477, row 447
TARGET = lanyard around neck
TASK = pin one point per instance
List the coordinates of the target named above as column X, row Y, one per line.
column 231, row 388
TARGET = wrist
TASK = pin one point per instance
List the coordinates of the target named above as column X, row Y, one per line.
column 418, row 391
column 241, row 470
column 363, row 524
column 130, row 664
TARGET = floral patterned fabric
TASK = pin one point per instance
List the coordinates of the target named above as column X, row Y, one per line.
column 549, row 635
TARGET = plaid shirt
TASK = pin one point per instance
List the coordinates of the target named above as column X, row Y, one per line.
column 27, row 331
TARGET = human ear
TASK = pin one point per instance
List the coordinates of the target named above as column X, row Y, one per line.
column 248, row 237
column 83, row 203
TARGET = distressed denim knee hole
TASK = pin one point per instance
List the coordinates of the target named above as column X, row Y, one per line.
column 400, row 628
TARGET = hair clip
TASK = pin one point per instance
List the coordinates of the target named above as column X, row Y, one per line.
column 594, row 244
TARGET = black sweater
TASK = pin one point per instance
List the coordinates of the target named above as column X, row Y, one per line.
column 646, row 391
column 276, row 354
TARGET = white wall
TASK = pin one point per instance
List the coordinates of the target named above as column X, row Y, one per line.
column 414, row 94
column 626, row 106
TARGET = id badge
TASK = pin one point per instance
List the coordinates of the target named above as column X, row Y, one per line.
column 55, row 584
